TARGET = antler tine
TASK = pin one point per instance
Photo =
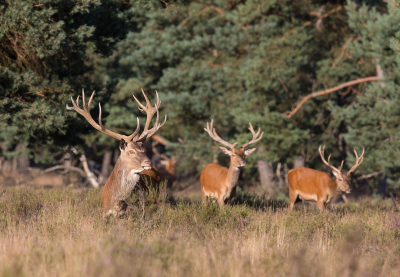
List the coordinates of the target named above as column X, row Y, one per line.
column 134, row 134
column 232, row 145
column 341, row 166
column 321, row 153
column 155, row 128
column 213, row 134
column 150, row 111
column 85, row 112
column 83, row 100
column 158, row 104
column 100, row 123
column 359, row 160
column 90, row 100
column 255, row 135
column 141, row 107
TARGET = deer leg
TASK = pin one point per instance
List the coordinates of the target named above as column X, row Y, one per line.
column 221, row 202
column 321, row 205
column 292, row 199
column 203, row 196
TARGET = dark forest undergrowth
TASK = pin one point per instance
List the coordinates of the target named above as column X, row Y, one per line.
column 60, row 232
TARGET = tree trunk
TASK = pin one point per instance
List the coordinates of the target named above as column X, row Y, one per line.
column 21, row 163
column 266, row 173
column 382, row 186
column 105, row 166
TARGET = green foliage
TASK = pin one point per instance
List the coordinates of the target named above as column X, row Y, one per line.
column 234, row 62
column 247, row 62
column 372, row 118
column 43, row 48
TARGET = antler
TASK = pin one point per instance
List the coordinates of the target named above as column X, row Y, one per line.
column 255, row 135
column 359, row 160
column 321, row 152
column 86, row 114
column 211, row 131
column 150, row 111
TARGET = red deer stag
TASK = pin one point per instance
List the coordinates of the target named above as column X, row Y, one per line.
column 133, row 160
column 219, row 182
column 318, row 186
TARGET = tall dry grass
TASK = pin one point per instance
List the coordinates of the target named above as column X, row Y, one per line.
column 60, row 232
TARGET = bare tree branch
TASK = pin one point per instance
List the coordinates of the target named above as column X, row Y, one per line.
column 57, row 167
column 327, row 91
column 369, row 175
column 89, row 175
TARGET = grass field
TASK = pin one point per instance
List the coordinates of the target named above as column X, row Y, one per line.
column 60, row 232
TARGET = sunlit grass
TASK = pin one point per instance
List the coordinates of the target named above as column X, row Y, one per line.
column 60, row 232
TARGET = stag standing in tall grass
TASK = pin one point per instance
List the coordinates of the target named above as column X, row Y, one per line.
column 318, row 186
column 219, row 182
column 133, row 160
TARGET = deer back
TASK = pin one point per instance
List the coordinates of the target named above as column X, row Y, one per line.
column 311, row 182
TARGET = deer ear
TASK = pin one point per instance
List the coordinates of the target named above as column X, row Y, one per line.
column 249, row 151
column 335, row 173
column 122, row 145
column 225, row 151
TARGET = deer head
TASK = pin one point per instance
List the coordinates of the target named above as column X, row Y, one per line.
column 133, row 154
column 237, row 155
column 343, row 180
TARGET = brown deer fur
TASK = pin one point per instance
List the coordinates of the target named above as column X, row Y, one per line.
column 313, row 185
column 219, row 182
column 133, row 161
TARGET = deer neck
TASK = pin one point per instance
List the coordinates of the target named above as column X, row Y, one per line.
column 233, row 176
column 334, row 188
column 127, row 179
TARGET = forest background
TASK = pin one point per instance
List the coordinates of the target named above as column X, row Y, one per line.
column 232, row 61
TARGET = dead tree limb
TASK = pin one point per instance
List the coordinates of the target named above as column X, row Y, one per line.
column 327, row 91
column 367, row 176
column 57, row 167
column 89, row 175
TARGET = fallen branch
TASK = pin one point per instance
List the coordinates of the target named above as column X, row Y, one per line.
column 327, row 91
column 57, row 167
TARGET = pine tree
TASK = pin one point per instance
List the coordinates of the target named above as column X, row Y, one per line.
column 44, row 46
column 372, row 119
column 233, row 62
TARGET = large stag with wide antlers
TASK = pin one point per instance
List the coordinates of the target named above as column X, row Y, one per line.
column 318, row 186
column 133, row 160
column 219, row 182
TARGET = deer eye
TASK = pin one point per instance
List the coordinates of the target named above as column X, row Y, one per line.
column 131, row 152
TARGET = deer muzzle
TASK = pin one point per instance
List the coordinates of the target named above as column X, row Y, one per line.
column 147, row 164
